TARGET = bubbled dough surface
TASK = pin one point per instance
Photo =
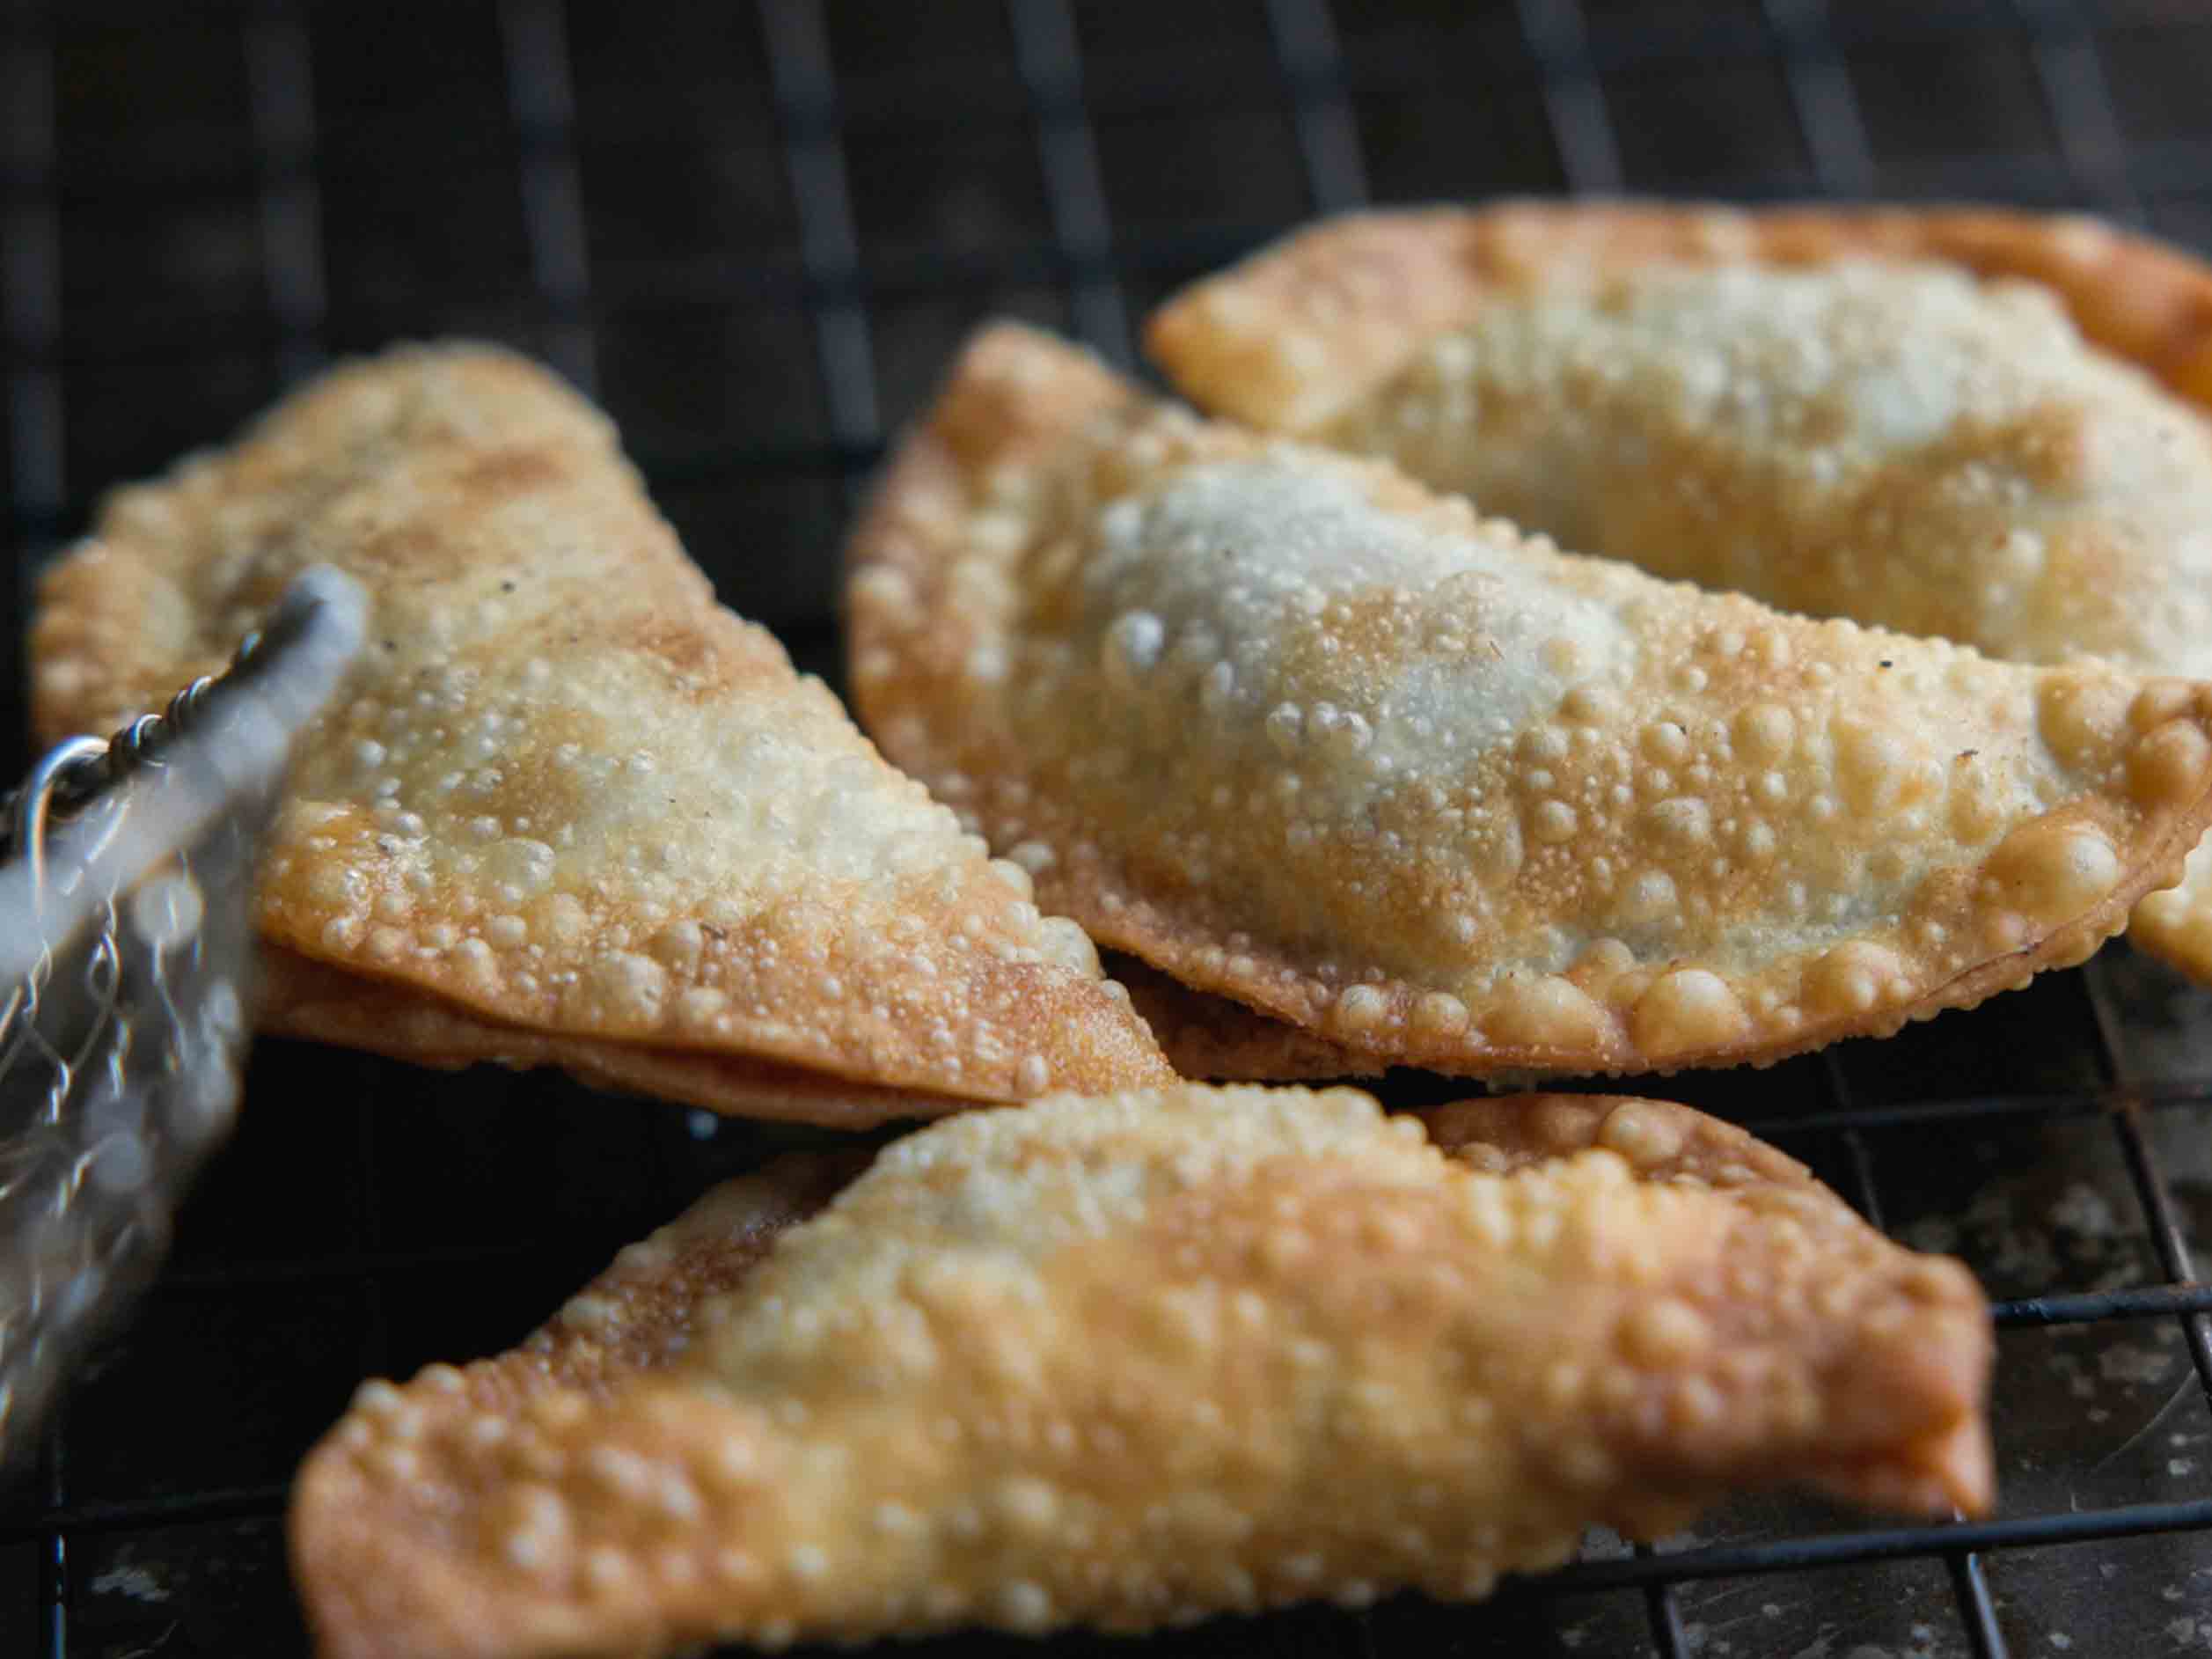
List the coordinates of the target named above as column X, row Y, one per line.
column 1801, row 406
column 566, row 791
column 1293, row 727
column 1073, row 1364
column 1896, row 443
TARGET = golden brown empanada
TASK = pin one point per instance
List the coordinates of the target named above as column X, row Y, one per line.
column 1292, row 728
column 1127, row 1361
column 1983, row 425
column 572, row 810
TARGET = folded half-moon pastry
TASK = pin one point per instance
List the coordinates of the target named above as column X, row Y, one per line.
column 570, row 810
column 1126, row 1363
column 1984, row 425
column 1292, row 728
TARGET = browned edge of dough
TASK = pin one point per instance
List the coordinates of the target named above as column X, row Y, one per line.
column 1668, row 1143
column 318, row 1002
column 1219, row 1040
column 373, row 1578
column 1363, row 292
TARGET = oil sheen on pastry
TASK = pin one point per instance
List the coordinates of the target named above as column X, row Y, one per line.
column 1292, row 728
column 571, row 809
column 1076, row 1364
column 1989, row 427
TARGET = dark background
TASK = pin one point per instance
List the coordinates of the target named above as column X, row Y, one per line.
column 756, row 233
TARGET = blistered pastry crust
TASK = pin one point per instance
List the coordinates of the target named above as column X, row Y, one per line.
column 565, row 792
column 1083, row 1363
column 2075, row 524
column 1290, row 727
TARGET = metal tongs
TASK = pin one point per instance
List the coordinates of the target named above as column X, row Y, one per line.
column 126, row 963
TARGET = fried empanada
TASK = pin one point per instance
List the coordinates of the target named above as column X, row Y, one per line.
column 1124, row 1362
column 1287, row 725
column 572, row 810
column 1983, row 425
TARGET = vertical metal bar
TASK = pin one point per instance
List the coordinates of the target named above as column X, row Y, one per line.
column 281, row 91
column 1328, row 137
column 1051, row 66
column 1971, row 1589
column 1574, row 102
column 1864, row 1193
column 2165, row 1222
column 805, row 84
column 31, row 303
column 368, row 1229
column 31, row 333
column 541, row 100
column 1664, row 1609
column 1821, row 92
column 2112, row 1064
column 1870, row 1197
column 2081, row 104
column 54, row 1548
column 1976, row 1612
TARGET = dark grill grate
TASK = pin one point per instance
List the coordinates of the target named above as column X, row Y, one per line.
column 757, row 233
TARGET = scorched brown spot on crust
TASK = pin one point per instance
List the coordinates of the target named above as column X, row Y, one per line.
column 509, row 469
column 1293, row 729
column 1982, row 425
column 584, row 814
column 692, row 654
column 1080, row 1364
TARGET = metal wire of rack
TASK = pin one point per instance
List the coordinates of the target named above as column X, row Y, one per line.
column 371, row 1218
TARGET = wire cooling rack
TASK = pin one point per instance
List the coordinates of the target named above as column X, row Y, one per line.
column 756, row 233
